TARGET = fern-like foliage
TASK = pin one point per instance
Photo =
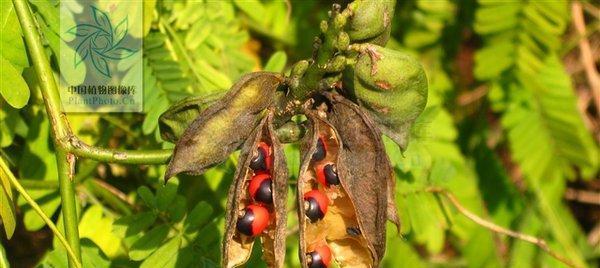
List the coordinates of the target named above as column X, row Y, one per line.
column 534, row 95
column 194, row 48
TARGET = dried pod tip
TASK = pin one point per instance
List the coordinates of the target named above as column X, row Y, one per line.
column 321, row 150
column 315, row 205
column 254, row 220
column 261, row 188
column 320, row 257
column 262, row 159
column 327, row 175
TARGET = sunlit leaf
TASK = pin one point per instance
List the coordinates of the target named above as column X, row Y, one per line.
column 12, row 86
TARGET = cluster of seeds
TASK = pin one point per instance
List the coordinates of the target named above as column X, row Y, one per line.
column 316, row 201
column 256, row 216
column 330, row 230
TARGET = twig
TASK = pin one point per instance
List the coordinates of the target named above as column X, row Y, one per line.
column 114, row 191
column 582, row 196
column 472, row 96
column 586, row 54
column 81, row 149
column 542, row 244
column 590, row 8
column 594, row 235
column 13, row 180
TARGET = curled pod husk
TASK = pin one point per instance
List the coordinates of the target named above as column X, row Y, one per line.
column 237, row 247
column 392, row 86
column 362, row 140
column 354, row 225
column 371, row 21
column 225, row 125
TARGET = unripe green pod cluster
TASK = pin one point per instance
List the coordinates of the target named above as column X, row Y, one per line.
column 371, row 21
column 392, row 86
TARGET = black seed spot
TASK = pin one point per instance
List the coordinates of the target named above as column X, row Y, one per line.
column 315, row 260
column 353, row 231
column 331, row 176
column 265, row 192
column 244, row 223
column 319, row 153
column 313, row 211
column 258, row 162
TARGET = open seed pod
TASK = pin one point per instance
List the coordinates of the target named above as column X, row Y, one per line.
column 249, row 213
column 350, row 221
column 392, row 86
column 221, row 128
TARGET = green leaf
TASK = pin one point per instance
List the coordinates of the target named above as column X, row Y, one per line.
column 50, row 12
column 12, row 85
column 404, row 255
column 148, row 243
column 277, row 62
column 97, row 227
column 134, row 224
column 147, row 195
column 48, row 200
column 177, row 208
column 3, row 260
column 149, row 7
column 165, row 256
column 198, row 216
column 166, row 195
column 7, row 209
column 253, row 8
column 91, row 256
column 11, row 41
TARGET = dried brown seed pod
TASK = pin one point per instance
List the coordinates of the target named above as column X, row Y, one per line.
column 363, row 156
column 237, row 246
column 354, row 226
column 225, row 125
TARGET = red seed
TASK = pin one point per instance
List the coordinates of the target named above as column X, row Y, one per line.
column 315, row 206
column 261, row 188
column 262, row 159
column 254, row 220
column 327, row 175
column 320, row 257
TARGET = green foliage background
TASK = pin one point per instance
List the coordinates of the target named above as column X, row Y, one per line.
column 507, row 156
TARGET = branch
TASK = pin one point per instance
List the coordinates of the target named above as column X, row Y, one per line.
column 586, row 54
column 60, row 128
column 38, row 210
column 148, row 157
column 541, row 243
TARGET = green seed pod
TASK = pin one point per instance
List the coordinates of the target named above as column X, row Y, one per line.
column 371, row 21
column 392, row 86
column 173, row 122
column 224, row 126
